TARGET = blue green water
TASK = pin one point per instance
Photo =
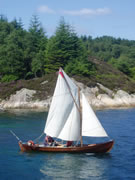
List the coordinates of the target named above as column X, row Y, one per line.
column 119, row 164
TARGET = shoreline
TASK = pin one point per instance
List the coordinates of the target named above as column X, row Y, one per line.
column 26, row 109
column 23, row 99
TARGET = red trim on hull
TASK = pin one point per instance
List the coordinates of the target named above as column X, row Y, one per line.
column 89, row 148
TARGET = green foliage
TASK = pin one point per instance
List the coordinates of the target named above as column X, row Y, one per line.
column 80, row 68
column 132, row 72
column 36, row 41
column 63, row 48
column 26, row 54
column 8, row 78
column 53, row 56
column 11, row 54
column 118, row 52
column 38, row 64
column 22, row 53
column 123, row 63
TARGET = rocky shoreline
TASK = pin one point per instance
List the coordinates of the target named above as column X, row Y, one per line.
column 23, row 99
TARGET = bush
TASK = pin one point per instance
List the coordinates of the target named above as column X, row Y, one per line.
column 9, row 78
column 80, row 68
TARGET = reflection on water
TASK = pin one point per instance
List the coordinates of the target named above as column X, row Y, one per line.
column 74, row 166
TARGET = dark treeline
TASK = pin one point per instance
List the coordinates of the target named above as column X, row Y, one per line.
column 26, row 54
column 118, row 52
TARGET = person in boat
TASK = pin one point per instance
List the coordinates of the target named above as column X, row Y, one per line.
column 69, row 143
column 49, row 140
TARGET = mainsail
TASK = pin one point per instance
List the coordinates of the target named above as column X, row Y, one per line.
column 63, row 118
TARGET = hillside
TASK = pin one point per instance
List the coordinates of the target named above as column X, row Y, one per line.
column 105, row 75
column 108, row 76
column 112, row 78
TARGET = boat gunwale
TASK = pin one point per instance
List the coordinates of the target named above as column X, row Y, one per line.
column 92, row 148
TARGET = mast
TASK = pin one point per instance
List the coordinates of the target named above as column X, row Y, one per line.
column 80, row 111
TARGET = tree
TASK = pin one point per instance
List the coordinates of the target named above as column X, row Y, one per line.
column 116, row 51
column 80, row 67
column 63, row 47
column 12, row 56
column 121, row 64
column 17, row 24
column 5, row 29
column 36, row 45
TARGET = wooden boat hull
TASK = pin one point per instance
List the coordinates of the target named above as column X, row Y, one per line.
column 89, row 148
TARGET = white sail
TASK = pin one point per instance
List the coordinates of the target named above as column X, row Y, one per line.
column 90, row 123
column 71, row 129
column 62, row 108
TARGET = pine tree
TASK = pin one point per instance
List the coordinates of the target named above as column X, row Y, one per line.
column 36, row 45
column 62, row 48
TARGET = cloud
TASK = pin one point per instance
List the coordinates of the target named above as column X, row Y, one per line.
column 81, row 12
column 88, row 12
column 45, row 9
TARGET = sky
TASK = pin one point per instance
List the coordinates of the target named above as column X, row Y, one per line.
column 94, row 18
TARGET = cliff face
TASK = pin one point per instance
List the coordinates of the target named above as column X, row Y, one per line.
column 24, row 98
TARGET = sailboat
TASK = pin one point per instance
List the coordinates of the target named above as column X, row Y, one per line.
column 70, row 119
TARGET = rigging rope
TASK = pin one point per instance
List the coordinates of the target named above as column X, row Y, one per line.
column 38, row 137
column 19, row 138
column 15, row 135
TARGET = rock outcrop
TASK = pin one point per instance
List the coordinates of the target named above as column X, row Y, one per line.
column 25, row 98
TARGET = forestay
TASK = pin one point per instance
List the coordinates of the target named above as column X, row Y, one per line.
column 90, row 123
column 63, row 119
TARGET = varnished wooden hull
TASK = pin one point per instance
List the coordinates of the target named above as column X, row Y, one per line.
column 89, row 148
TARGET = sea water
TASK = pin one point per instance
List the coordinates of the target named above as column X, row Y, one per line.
column 119, row 164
